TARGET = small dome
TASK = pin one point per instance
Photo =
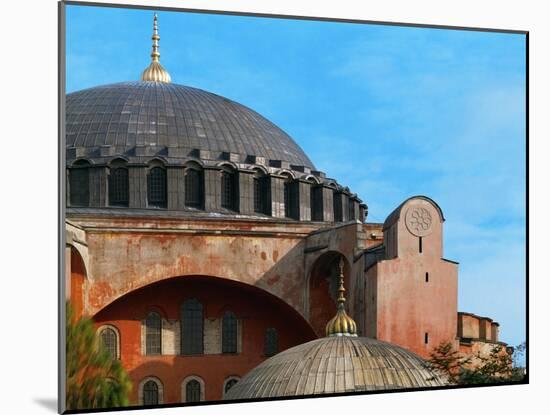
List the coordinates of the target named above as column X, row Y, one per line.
column 336, row 364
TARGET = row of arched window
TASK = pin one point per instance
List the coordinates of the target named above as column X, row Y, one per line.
column 157, row 190
column 192, row 333
column 151, row 390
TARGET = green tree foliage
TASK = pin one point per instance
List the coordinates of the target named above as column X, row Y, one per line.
column 94, row 378
column 493, row 367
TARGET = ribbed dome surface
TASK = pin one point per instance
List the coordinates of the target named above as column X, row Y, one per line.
column 336, row 365
column 170, row 116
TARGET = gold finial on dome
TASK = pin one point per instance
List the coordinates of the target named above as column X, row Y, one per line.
column 341, row 324
column 155, row 71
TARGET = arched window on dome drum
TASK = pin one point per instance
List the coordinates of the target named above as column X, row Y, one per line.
column 150, row 393
column 79, row 184
column 261, row 194
column 229, row 333
column 194, row 188
column 271, row 346
column 118, row 187
column 228, row 190
column 153, row 334
column 193, row 391
column 316, row 200
column 291, row 199
column 156, row 187
column 109, row 340
column 351, row 209
column 192, row 327
column 337, row 205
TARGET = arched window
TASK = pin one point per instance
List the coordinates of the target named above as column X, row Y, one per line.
column 151, row 393
column 118, row 187
column 156, row 187
column 262, row 194
column 229, row 190
column 153, row 334
column 228, row 384
column 291, row 199
column 79, row 184
column 351, row 209
column 271, row 346
column 193, row 391
column 316, row 200
column 192, row 330
column 229, row 333
column 337, row 204
column 109, row 339
column 194, row 188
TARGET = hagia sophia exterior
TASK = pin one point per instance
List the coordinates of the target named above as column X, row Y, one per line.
column 206, row 246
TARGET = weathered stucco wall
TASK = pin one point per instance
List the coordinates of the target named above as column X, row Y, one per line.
column 126, row 254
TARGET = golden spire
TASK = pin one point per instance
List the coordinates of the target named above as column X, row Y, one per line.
column 341, row 324
column 155, row 71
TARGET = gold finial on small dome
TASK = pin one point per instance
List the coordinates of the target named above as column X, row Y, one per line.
column 341, row 324
column 155, row 71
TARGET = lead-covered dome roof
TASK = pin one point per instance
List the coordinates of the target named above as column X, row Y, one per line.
column 336, row 364
column 174, row 121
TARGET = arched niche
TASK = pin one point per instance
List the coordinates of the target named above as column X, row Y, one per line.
column 323, row 289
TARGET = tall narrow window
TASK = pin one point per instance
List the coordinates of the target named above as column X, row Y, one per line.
column 194, row 188
column 79, row 185
column 427, row 277
column 110, row 343
column 351, row 209
column 420, row 244
column 291, row 199
column 337, row 202
column 316, row 199
column 153, row 334
column 228, row 190
column 229, row 333
column 192, row 330
column 271, row 346
column 156, row 187
column 426, row 338
column 150, row 393
column 261, row 194
column 193, row 391
column 118, row 187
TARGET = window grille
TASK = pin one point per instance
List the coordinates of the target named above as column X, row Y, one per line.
column 291, row 199
column 337, row 201
column 157, row 187
column 193, row 188
column 79, row 186
column 229, row 384
column 153, row 334
column 118, row 187
column 271, row 342
column 150, row 393
column 228, row 190
column 193, row 391
column 109, row 340
column 316, row 199
column 229, row 333
column 192, row 331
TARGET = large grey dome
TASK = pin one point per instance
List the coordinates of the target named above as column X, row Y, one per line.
column 173, row 121
column 336, row 364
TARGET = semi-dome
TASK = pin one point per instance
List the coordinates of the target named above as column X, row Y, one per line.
column 173, row 121
column 338, row 363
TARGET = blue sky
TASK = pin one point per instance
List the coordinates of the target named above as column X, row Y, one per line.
column 388, row 111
